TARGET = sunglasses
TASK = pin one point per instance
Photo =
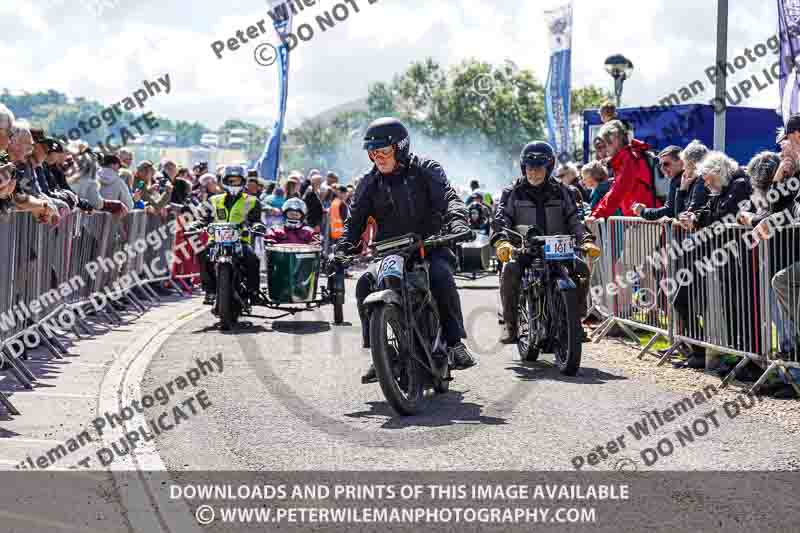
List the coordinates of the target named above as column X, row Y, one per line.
column 385, row 152
column 665, row 164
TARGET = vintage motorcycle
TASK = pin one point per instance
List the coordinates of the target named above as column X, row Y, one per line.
column 407, row 343
column 547, row 315
column 293, row 273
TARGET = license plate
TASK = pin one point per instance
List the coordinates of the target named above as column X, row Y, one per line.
column 226, row 235
column 558, row 249
column 391, row 266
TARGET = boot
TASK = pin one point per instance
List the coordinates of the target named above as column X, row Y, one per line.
column 510, row 335
column 369, row 376
column 364, row 316
column 462, row 357
column 697, row 360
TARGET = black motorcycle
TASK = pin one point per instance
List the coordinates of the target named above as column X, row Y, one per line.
column 547, row 316
column 227, row 254
column 408, row 346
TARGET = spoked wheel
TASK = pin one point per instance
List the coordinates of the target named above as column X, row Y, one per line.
column 337, row 297
column 401, row 377
column 526, row 346
column 566, row 330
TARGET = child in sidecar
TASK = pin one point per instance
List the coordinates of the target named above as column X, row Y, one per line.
column 294, row 230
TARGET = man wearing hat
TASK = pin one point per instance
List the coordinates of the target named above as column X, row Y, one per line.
column 293, row 185
column 41, row 175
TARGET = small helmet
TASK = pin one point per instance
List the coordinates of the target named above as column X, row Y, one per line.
column 294, row 213
column 234, row 171
column 387, row 132
column 538, row 154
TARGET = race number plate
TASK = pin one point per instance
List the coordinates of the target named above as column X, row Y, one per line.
column 391, row 266
column 558, row 249
column 226, row 235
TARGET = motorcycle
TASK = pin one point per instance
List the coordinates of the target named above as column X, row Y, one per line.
column 407, row 342
column 226, row 252
column 547, row 309
column 293, row 273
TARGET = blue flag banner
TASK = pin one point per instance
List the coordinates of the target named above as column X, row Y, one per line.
column 788, row 22
column 269, row 162
column 557, row 88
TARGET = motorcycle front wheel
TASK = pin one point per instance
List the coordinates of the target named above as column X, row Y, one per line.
column 567, row 331
column 526, row 343
column 401, row 377
column 226, row 300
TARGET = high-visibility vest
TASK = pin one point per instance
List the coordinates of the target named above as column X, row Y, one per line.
column 237, row 213
column 337, row 224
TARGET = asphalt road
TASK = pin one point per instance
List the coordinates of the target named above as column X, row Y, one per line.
column 290, row 398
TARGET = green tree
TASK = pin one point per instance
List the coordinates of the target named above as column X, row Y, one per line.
column 582, row 99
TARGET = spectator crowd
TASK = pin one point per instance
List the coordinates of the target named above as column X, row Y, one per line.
column 707, row 187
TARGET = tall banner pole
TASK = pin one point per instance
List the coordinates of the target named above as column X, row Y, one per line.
column 557, row 91
column 788, row 22
column 269, row 162
column 720, row 117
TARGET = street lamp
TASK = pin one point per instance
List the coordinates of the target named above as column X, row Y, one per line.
column 620, row 68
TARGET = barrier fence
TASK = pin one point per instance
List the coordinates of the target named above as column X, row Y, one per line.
column 713, row 289
column 89, row 265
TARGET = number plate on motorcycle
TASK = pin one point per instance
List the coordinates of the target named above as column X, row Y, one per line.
column 391, row 266
column 226, row 235
column 558, row 249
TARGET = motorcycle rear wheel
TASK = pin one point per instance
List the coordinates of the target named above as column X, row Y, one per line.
column 401, row 378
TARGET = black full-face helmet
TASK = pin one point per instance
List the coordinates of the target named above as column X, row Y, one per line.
column 538, row 154
column 387, row 132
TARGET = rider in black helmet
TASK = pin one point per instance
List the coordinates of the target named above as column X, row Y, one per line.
column 537, row 198
column 408, row 194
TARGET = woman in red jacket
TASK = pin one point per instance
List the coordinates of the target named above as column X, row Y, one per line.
column 633, row 181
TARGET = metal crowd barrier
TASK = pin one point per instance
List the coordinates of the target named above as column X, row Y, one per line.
column 630, row 284
column 703, row 290
column 48, row 285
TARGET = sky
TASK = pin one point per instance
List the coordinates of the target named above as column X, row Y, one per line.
column 104, row 49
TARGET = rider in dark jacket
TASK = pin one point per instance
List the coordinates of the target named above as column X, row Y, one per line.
column 536, row 199
column 480, row 215
column 408, row 194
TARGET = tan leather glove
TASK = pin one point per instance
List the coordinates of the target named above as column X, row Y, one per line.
column 591, row 249
column 503, row 250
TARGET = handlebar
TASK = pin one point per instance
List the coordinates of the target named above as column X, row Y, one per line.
column 439, row 242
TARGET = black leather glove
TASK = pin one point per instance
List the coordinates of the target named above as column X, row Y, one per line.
column 84, row 205
column 344, row 248
column 258, row 228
